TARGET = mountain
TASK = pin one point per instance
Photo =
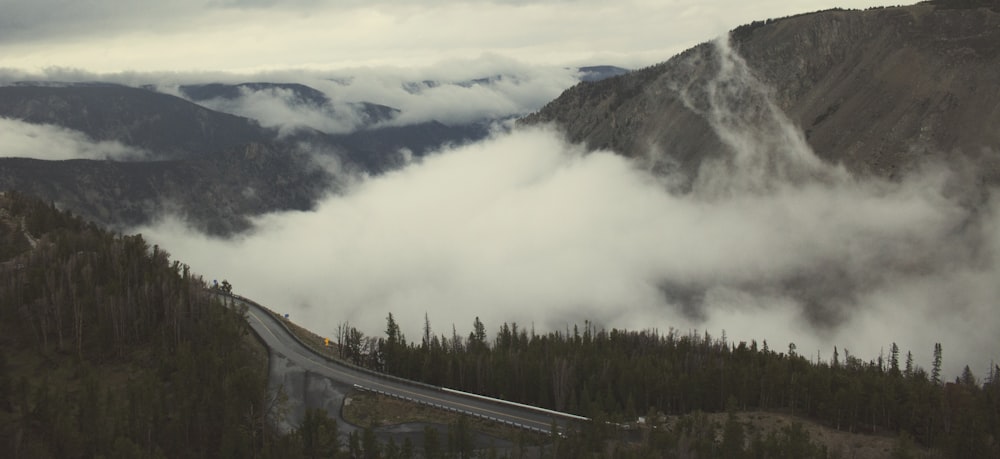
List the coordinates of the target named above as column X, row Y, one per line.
column 375, row 149
column 215, row 194
column 588, row 73
column 879, row 91
column 302, row 94
column 167, row 126
column 297, row 95
column 213, row 169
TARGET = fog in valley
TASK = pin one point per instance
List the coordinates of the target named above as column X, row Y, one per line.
column 769, row 243
column 49, row 142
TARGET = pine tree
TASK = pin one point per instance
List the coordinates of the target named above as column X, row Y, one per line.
column 894, row 359
column 426, row 343
column 908, row 372
column 394, row 343
column 968, row 378
column 936, row 368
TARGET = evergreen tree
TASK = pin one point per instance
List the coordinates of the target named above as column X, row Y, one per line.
column 908, row 372
column 936, row 367
column 894, row 359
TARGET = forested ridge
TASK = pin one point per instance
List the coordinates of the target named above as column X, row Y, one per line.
column 618, row 375
column 110, row 349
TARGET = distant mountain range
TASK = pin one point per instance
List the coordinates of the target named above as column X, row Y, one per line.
column 168, row 126
column 202, row 92
column 589, row 74
column 204, row 162
column 213, row 169
column 301, row 95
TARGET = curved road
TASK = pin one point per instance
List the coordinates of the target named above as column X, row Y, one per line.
column 277, row 336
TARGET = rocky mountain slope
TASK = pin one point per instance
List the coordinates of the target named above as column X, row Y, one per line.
column 879, row 91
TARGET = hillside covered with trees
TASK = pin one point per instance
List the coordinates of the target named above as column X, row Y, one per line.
column 110, row 349
column 618, row 375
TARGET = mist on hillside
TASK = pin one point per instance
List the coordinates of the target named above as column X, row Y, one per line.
column 769, row 244
column 456, row 91
column 49, row 142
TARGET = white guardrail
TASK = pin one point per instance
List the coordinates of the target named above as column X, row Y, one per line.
column 420, row 384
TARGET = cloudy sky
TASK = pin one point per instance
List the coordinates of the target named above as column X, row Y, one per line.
column 252, row 35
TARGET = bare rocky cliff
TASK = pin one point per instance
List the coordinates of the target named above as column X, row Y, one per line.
column 878, row 91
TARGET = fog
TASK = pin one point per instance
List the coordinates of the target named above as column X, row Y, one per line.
column 769, row 243
column 280, row 108
column 525, row 227
column 49, row 142
column 454, row 91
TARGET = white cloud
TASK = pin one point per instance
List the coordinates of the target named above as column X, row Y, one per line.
column 45, row 141
column 278, row 107
column 453, row 96
column 527, row 228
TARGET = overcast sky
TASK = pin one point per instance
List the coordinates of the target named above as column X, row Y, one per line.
column 252, row 35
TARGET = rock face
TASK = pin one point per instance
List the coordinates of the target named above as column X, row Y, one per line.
column 877, row 90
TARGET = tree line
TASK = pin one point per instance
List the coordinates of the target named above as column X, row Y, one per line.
column 110, row 349
column 620, row 374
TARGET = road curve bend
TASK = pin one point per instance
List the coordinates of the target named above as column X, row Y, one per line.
column 279, row 338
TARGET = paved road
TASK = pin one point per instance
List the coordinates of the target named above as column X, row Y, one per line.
column 280, row 340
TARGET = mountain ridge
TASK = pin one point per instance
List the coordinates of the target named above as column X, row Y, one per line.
column 167, row 126
column 876, row 90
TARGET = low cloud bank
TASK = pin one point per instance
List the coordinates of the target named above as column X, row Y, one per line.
column 769, row 243
column 527, row 228
column 49, row 142
column 281, row 108
column 458, row 91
